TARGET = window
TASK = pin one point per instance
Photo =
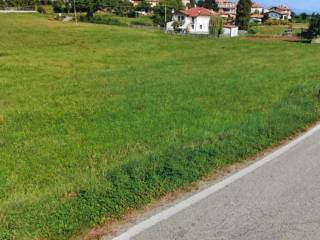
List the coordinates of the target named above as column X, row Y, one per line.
column 200, row 26
column 193, row 19
column 192, row 26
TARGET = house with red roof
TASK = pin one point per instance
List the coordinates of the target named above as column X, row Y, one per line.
column 257, row 8
column 196, row 21
column 257, row 13
column 279, row 13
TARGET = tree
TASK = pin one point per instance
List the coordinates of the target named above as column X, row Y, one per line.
column 211, row 4
column 143, row 6
column 216, row 26
column 124, row 8
column 243, row 14
column 314, row 27
column 91, row 6
column 192, row 3
column 200, row 3
column 162, row 13
column 2, row 3
column 304, row 16
column 58, row 6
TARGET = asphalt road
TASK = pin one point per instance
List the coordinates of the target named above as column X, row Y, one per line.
column 279, row 200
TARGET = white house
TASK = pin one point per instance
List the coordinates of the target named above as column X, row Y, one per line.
column 256, row 18
column 230, row 31
column 193, row 20
column 279, row 13
column 196, row 21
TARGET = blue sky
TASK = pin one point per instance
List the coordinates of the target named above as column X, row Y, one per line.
column 307, row 5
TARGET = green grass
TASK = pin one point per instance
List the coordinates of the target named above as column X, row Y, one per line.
column 142, row 20
column 110, row 19
column 97, row 119
column 276, row 30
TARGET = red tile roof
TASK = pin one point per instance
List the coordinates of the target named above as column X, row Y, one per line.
column 198, row 11
column 256, row 5
column 257, row 16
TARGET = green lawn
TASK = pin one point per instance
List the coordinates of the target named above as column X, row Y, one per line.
column 141, row 20
column 276, row 30
column 98, row 119
column 110, row 19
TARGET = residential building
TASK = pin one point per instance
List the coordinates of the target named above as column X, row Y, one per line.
column 257, row 8
column 257, row 13
column 256, row 18
column 154, row 3
column 227, row 7
column 196, row 21
column 279, row 13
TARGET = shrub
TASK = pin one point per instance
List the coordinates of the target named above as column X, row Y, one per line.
column 176, row 26
column 101, row 20
column 252, row 31
column 216, row 26
column 58, row 6
column 131, row 13
column 140, row 23
column 41, row 9
column 314, row 27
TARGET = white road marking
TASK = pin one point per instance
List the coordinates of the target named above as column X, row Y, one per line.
column 180, row 206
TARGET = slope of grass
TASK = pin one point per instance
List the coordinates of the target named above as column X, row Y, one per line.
column 276, row 30
column 98, row 119
column 110, row 19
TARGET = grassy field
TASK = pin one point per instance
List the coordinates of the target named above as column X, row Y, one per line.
column 95, row 120
column 110, row 19
column 276, row 30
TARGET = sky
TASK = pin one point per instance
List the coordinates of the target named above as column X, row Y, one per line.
column 298, row 5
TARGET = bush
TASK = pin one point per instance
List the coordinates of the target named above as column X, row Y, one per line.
column 314, row 27
column 41, row 9
column 139, row 23
column 101, row 20
column 131, row 13
column 58, row 6
column 216, row 26
column 252, row 31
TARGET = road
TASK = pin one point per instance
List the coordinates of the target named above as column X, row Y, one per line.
column 278, row 199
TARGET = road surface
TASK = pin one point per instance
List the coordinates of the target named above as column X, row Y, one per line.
column 280, row 199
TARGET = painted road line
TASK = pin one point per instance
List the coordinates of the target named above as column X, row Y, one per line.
column 180, row 206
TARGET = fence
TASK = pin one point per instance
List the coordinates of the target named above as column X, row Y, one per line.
column 28, row 9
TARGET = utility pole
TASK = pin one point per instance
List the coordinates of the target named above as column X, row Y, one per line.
column 165, row 15
column 75, row 11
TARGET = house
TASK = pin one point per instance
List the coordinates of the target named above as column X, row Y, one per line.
column 257, row 9
column 256, row 18
column 257, row 13
column 279, row 13
column 196, row 21
column 154, row 3
column 227, row 8
column 230, row 31
column 193, row 20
